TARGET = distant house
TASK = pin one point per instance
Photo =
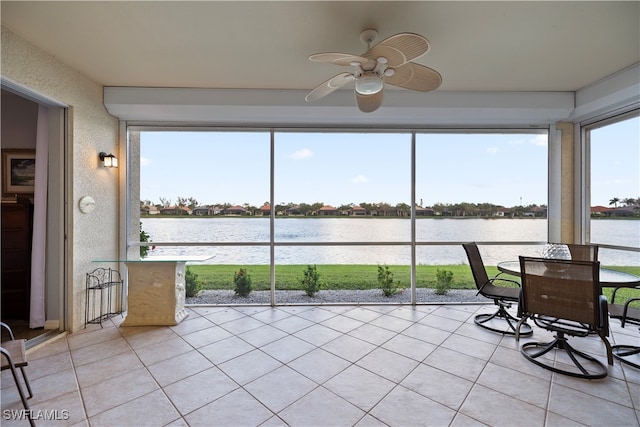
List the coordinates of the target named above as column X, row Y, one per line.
column 294, row 211
column 175, row 210
column 327, row 210
column 265, row 210
column 217, row 210
column 203, row 211
column 625, row 211
column 539, row 211
column 235, row 210
column 420, row 211
column 149, row 210
column 358, row 211
column 502, row 212
column 601, row 211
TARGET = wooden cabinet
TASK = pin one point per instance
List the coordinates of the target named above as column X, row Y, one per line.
column 16, row 259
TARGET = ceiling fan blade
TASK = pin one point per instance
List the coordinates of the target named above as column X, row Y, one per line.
column 400, row 48
column 337, row 58
column 415, row 77
column 324, row 89
column 369, row 103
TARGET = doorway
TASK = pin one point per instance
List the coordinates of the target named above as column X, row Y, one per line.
column 33, row 262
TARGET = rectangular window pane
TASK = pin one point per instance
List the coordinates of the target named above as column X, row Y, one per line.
column 615, row 190
column 462, row 180
column 482, row 187
column 342, row 181
column 204, row 186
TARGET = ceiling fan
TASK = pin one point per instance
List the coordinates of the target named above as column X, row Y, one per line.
column 387, row 62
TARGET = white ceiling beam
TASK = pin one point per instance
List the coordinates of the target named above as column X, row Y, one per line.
column 287, row 108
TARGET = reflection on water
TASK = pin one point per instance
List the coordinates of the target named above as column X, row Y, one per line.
column 293, row 230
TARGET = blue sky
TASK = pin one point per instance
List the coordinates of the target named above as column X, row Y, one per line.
column 615, row 153
column 342, row 168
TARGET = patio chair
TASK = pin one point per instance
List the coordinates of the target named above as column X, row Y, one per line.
column 627, row 312
column 14, row 357
column 564, row 297
column 626, row 353
column 583, row 252
column 503, row 296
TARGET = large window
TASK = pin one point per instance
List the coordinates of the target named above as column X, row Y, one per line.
column 484, row 187
column 354, row 205
column 615, row 189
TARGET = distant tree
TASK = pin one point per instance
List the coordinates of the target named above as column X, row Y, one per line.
column 629, row 201
column 343, row 208
column 316, row 206
column 182, row 201
column 385, row 208
column 441, row 207
column 250, row 208
column 487, row 209
column 165, row 202
column 192, row 202
column 403, row 209
column 614, row 202
column 281, row 207
column 370, row 207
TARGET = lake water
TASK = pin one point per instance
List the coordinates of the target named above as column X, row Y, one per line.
column 394, row 233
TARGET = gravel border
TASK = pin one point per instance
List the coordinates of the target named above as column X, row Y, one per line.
column 371, row 296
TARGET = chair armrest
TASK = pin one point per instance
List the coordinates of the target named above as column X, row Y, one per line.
column 627, row 304
column 5, row 326
column 493, row 279
column 520, row 312
column 615, row 290
column 604, row 315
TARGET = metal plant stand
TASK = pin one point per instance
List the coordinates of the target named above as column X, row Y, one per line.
column 104, row 295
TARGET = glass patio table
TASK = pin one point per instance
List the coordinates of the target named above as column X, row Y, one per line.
column 608, row 278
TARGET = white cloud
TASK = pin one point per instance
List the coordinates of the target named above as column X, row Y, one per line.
column 144, row 161
column 305, row 153
column 539, row 140
column 492, row 150
column 360, row 179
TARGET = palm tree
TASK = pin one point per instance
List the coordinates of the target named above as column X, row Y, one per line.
column 614, row 202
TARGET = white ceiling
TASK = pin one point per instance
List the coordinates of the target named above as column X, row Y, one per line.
column 476, row 46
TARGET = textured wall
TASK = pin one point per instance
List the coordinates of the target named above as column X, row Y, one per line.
column 91, row 130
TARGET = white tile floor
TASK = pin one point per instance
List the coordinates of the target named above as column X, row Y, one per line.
column 317, row 366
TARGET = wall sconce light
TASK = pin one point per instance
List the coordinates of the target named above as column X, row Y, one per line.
column 108, row 160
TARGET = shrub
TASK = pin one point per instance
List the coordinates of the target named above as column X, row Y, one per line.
column 444, row 279
column 144, row 237
column 385, row 281
column 243, row 282
column 311, row 280
column 192, row 286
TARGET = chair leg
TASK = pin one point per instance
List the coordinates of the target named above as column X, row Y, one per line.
column 483, row 320
column 561, row 343
column 621, row 352
column 21, row 393
column 26, row 382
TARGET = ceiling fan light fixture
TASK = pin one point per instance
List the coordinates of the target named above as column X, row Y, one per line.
column 369, row 84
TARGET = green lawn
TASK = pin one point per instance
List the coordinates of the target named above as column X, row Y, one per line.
column 353, row 277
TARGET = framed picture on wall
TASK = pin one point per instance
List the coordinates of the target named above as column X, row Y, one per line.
column 18, row 171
